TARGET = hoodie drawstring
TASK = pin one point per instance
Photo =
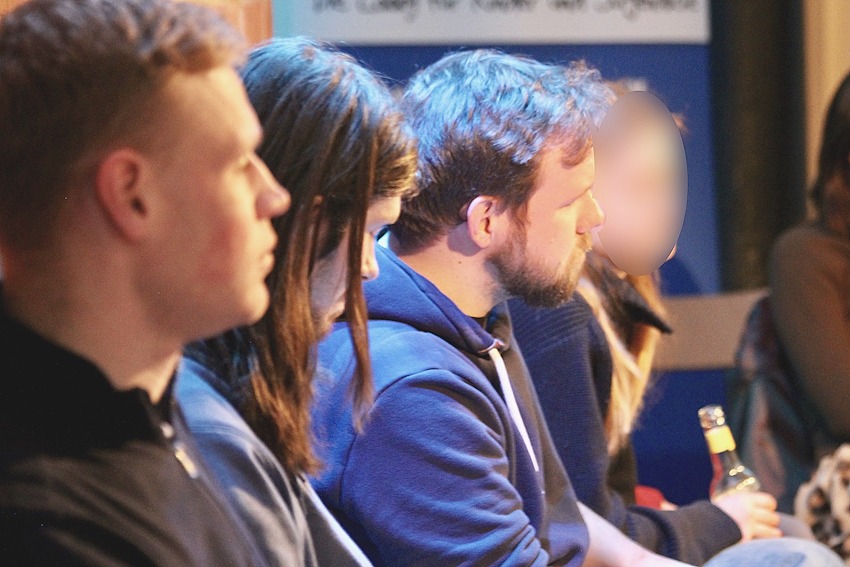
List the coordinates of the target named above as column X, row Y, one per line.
column 510, row 399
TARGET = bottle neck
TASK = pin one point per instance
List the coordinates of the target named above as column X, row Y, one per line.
column 719, row 439
column 721, row 445
column 727, row 460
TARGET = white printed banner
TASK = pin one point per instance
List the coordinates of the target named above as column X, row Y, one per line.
column 465, row 22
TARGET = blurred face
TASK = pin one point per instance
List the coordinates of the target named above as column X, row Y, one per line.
column 542, row 261
column 641, row 182
column 645, row 208
column 328, row 280
column 213, row 248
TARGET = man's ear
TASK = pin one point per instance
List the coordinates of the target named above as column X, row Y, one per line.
column 483, row 216
column 119, row 184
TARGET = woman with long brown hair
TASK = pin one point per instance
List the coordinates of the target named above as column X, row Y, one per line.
column 335, row 140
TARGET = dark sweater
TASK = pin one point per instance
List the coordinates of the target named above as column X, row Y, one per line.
column 439, row 475
column 570, row 364
column 94, row 476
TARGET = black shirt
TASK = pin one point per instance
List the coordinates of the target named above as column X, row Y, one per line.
column 90, row 475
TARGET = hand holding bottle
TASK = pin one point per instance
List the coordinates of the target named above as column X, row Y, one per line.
column 734, row 487
column 730, row 474
column 754, row 512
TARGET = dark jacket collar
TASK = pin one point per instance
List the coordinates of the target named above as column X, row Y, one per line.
column 53, row 399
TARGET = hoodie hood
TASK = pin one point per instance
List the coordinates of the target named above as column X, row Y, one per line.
column 424, row 307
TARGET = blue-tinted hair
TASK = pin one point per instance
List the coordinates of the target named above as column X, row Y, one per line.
column 482, row 119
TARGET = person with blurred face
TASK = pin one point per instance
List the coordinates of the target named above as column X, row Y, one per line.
column 135, row 217
column 336, row 139
column 590, row 359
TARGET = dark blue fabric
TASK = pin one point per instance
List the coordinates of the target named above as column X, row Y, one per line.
column 438, row 474
column 570, row 364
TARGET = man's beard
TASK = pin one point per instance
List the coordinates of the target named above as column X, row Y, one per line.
column 522, row 275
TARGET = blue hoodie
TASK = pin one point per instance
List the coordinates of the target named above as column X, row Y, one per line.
column 444, row 471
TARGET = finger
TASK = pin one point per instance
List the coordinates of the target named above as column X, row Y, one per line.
column 765, row 525
column 764, row 500
column 764, row 531
column 767, row 518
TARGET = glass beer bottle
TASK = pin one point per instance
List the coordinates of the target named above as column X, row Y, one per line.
column 730, row 474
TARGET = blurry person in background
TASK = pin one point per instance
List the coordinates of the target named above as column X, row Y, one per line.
column 810, row 308
column 810, row 287
column 134, row 218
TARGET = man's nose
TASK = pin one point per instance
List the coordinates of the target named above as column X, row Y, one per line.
column 273, row 199
column 594, row 216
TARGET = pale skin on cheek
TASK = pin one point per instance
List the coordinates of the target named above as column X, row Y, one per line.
column 328, row 280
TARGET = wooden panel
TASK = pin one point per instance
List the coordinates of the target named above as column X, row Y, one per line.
column 827, row 26
column 252, row 17
column 706, row 330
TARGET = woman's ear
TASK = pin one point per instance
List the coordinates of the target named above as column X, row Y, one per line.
column 120, row 190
